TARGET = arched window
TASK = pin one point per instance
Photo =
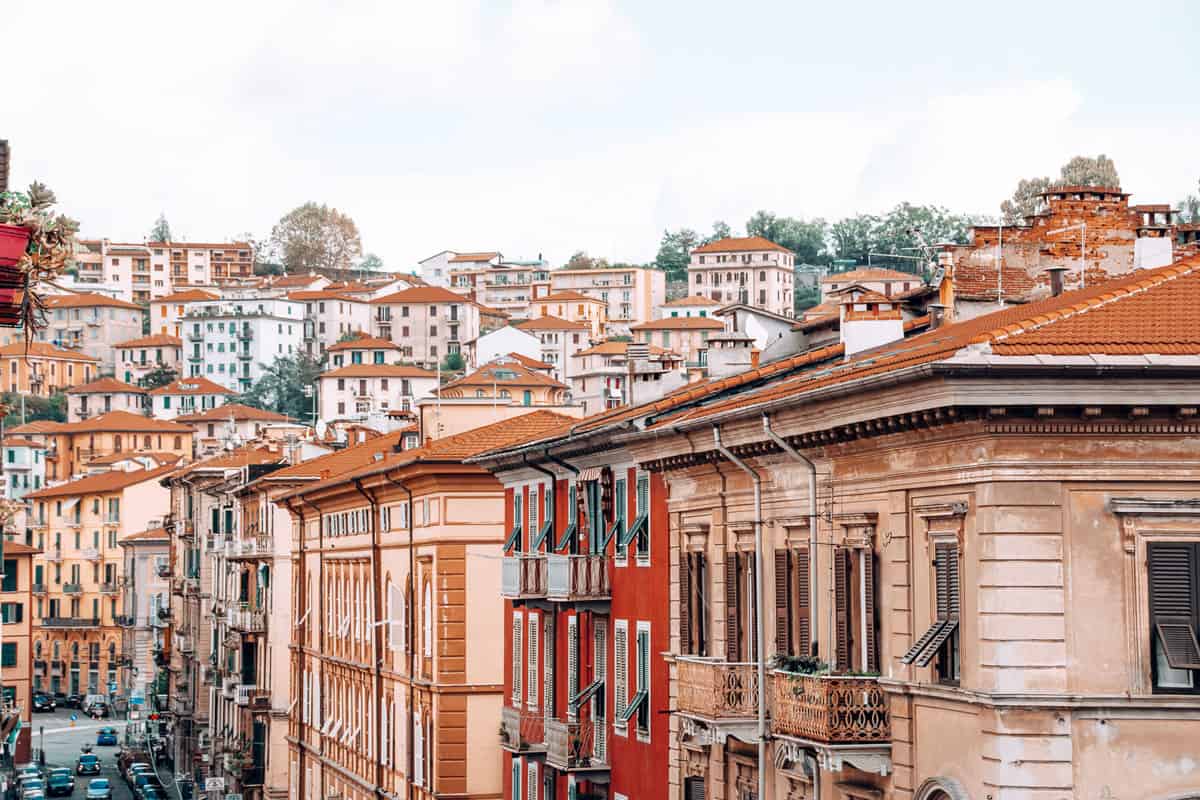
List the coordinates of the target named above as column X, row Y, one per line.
column 147, row 442
column 427, row 622
column 117, row 442
column 178, row 442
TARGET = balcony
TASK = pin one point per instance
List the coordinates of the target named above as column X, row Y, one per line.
column 180, row 704
column 245, row 693
column 248, row 620
column 38, row 588
column 576, row 746
column 109, row 588
column 846, row 719
column 39, row 667
column 256, row 547
column 183, row 643
column 54, row 556
column 90, row 554
column 70, row 622
column 717, row 698
column 124, row 621
column 523, row 576
column 522, row 731
column 246, row 334
column 229, row 687
column 185, row 586
column 72, row 588
column 576, row 578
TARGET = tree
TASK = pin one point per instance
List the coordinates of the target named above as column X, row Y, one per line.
column 720, row 230
column 316, row 237
column 159, row 376
column 1079, row 171
column 675, row 252
column 805, row 238
column 581, row 260
column 281, row 387
column 161, row 232
column 1025, row 201
column 1189, row 208
column 853, row 236
column 453, row 362
column 370, row 263
column 52, row 408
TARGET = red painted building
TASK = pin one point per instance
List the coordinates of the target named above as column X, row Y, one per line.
column 586, row 611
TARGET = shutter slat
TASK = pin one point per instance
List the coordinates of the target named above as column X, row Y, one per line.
column 942, row 557
column 731, row 607
column 868, row 576
column 1171, row 568
column 841, row 598
column 803, row 607
column 783, row 602
column 685, row 602
column 620, row 671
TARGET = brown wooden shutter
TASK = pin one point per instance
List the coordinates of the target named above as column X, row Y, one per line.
column 700, row 621
column 783, row 602
column 751, row 571
column 868, row 577
column 1172, row 578
column 685, row 602
column 803, row 605
column 841, row 602
column 731, row 607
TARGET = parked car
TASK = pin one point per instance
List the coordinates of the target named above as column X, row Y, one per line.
column 43, row 702
column 136, row 768
column 106, row 737
column 153, row 792
column 33, row 785
column 145, row 779
column 72, row 701
column 33, row 794
column 28, row 771
column 60, row 781
column 99, row 789
column 60, row 698
column 94, row 707
column 88, row 764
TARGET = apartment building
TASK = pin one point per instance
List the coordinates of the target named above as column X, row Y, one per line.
column 330, row 315
column 436, row 269
column 615, row 373
column 166, row 313
column 504, row 341
column 585, row 576
column 507, row 379
column 888, row 282
column 72, row 447
column 124, row 267
column 687, row 336
column 17, row 659
column 145, row 610
column 408, row 540
column 150, row 270
column 43, row 369
column 137, row 358
column 573, row 306
column 229, row 425
column 188, row 396
column 91, row 324
column 361, row 348
column 696, row 305
column 750, row 270
column 507, row 286
column 24, row 467
column 232, row 342
column 427, row 322
column 102, row 396
column 366, row 391
column 884, row 569
column 631, row 294
column 560, row 340
column 77, row 575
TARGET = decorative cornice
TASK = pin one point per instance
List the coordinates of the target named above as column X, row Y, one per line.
column 1144, row 506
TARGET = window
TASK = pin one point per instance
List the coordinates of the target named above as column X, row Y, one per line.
column 11, row 612
column 518, row 632
column 534, row 660
column 620, row 675
column 693, row 608
column 792, row 625
column 9, row 583
column 739, row 608
column 8, row 654
column 1174, row 612
column 941, row 639
column 427, row 622
column 641, row 698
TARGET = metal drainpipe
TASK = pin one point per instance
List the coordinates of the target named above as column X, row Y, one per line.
column 760, row 633
column 412, row 645
column 812, row 518
column 376, row 632
column 553, row 496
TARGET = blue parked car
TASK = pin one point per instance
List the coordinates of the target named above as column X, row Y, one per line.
column 107, row 736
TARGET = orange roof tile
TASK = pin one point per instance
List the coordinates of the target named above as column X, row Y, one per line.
column 232, row 459
column 149, row 535
column 196, row 384
column 504, row 373
column 472, row 258
column 870, row 274
column 532, row 363
column 153, row 340
column 289, row 281
column 611, row 348
column 691, row 300
column 105, row 385
column 363, row 342
column 41, row 350
column 420, row 294
column 680, row 324
column 324, row 294
column 549, row 323
column 186, row 296
column 339, row 461
column 201, row 245
column 235, row 411
column 39, row 426
column 100, row 483
column 86, row 300
column 740, row 245
column 116, row 458
column 567, row 295
column 14, row 441
column 122, row 421
column 379, row 370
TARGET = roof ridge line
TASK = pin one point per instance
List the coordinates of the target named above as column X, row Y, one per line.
column 1070, row 312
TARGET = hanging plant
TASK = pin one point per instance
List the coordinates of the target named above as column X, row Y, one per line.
column 36, row 246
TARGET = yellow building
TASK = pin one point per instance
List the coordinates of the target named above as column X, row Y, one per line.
column 43, row 369
column 78, row 526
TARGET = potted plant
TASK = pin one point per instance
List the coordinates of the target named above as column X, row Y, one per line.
column 36, row 246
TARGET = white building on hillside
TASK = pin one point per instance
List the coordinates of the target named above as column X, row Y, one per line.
column 187, row 396
column 362, row 391
column 750, row 270
column 330, row 314
column 232, row 342
column 505, row 341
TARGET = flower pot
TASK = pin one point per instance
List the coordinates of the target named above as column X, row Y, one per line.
column 13, row 241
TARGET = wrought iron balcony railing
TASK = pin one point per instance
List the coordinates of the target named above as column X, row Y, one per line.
column 717, row 690
column 833, row 709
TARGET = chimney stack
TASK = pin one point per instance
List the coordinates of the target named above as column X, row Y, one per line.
column 1056, row 280
column 937, row 312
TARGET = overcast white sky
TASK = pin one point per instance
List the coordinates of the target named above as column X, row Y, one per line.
column 534, row 126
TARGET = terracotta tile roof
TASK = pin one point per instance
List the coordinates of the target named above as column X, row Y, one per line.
column 19, row 549
column 549, row 323
column 122, row 421
column 680, row 324
column 379, row 370
column 532, row 363
column 40, row 426
column 42, row 350
column 153, row 340
column 873, row 274
column 611, row 348
column 567, row 295
column 292, row 281
column 472, row 258
column 420, row 294
column 324, row 294
column 106, row 385
column 116, row 458
column 186, row 296
column 504, row 373
column 100, row 483
column 14, row 441
column 458, row 447
column 236, row 411
column 232, row 459
column 201, row 245
column 1148, row 312
column 86, row 300
column 489, row 311
column 740, row 245
column 351, row 286
column 363, row 342
column 339, row 461
column 150, row 535
column 690, row 301
column 197, row 384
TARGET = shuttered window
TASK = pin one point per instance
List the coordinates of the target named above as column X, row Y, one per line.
column 534, row 659
column 533, row 510
column 733, row 603
column 620, row 670
column 945, row 625
column 792, row 574
column 518, row 627
column 619, row 510
column 1174, row 583
column 419, row 753
column 572, row 659
column 693, row 606
column 532, row 790
column 643, row 677
column 643, row 513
